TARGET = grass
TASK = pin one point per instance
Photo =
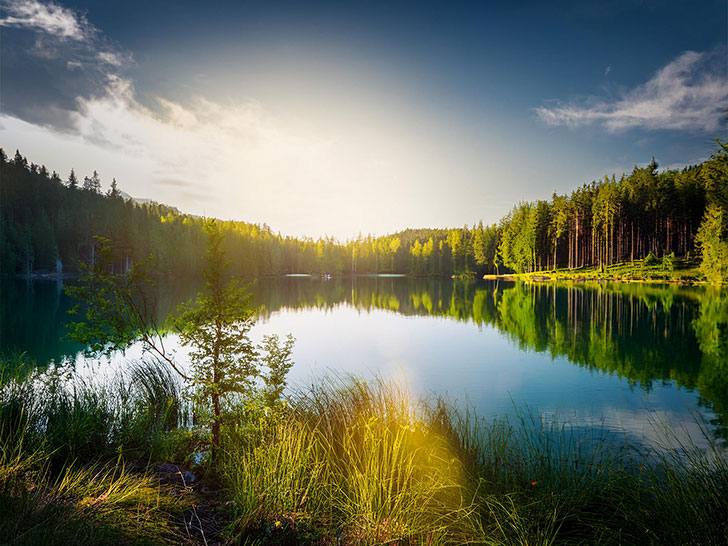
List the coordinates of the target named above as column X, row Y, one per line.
column 91, row 505
column 361, row 463
column 645, row 270
column 63, row 446
column 347, row 462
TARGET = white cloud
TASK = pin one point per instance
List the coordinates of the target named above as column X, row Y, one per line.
column 232, row 159
column 74, row 57
column 50, row 18
column 112, row 58
column 306, row 169
column 306, row 173
column 690, row 93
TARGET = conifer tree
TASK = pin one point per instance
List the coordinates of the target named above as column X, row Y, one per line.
column 72, row 180
column 713, row 245
column 114, row 189
column 92, row 184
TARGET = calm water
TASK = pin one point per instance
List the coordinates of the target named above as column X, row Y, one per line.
column 594, row 354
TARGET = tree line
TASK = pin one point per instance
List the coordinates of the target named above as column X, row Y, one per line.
column 47, row 224
column 644, row 213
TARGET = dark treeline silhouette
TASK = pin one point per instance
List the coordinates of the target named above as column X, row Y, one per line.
column 47, row 224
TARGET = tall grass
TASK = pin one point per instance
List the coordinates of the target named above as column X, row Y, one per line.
column 354, row 462
column 348, row 462
column 91, row 505
column 358, row 462
column 63, row 440
column 75, row 419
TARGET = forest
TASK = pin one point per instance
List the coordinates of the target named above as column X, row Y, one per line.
column 49, row 225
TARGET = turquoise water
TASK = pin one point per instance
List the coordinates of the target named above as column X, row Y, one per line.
column 625, row 357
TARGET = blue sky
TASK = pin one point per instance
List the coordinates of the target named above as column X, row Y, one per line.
column 339, row 117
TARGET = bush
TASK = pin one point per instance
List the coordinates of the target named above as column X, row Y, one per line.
column 668, row 262
column 651, row 259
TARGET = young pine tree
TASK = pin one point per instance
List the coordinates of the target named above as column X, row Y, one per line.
column 216, row 324
column 713, row 245
column 226, row 367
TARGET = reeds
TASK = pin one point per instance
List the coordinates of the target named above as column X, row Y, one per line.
column 358, row 462
column 347, row 462
column 62, row 445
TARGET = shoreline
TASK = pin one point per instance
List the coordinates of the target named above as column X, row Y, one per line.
column 543, row 278
column 690, row 279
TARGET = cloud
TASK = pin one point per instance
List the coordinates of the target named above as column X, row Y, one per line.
column 689, row 94
column 237, row 156
column 172, row 182
column 51, row 56
column 307, row 168
column 49, row 18
column 608, row 70
column 113, row 58
column 183, row 147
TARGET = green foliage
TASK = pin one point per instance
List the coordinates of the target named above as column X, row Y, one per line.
column 73, row 419
column 216, row 325
column 651, row 259
column 115, row 310
column 277, row 363
column 668, row 262
column 361, row 463
column 517, row 247
column 226, row 365
column 599, row 224
column 712, row 241
column 54, row 487
column 353, row 460
column 357, row 463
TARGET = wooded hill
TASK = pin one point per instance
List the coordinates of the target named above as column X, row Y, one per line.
column 47, row 223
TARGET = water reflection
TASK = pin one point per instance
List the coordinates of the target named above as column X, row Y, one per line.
column 646, row 334
column 642, row 332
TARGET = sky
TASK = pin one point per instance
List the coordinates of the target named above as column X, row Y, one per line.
column 340, row 118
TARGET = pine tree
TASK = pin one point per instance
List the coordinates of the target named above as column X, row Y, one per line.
column 225, row 362
column 92, row 184
column 19, row 160
column 114, row 189
column 72, row 180
column 713, row 245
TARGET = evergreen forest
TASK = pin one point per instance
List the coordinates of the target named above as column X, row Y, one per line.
column 49, row 225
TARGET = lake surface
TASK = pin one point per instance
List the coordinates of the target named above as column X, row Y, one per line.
column 620, row 356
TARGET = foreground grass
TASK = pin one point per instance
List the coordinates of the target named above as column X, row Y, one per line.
column 65, row 451
column 348, row 462
column 359, row 463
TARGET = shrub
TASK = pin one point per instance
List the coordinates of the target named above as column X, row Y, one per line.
column 651, row 259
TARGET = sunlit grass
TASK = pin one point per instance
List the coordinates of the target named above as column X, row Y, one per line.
column 95, row 505
column 347, row 462
column 361, row 463
column 62, row 475
column 646, row 269
column 353, row 459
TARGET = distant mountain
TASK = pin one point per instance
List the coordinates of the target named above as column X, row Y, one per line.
column 146, row 201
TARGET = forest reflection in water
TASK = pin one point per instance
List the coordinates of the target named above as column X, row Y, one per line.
column 646, row 334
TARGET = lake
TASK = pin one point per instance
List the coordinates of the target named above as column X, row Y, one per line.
column 625, row 357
